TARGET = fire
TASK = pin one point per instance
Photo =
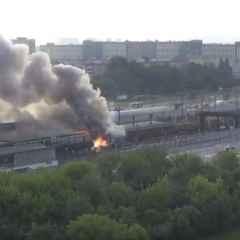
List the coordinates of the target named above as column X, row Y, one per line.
column 99, row 143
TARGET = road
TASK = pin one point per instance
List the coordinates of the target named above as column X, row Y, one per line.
column 205, row 145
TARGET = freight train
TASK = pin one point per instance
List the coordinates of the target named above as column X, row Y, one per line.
column 80, row 143
column 82, row 139
column 143, row 132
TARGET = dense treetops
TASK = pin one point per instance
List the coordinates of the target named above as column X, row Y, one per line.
column 138, row 196
column 123, row 77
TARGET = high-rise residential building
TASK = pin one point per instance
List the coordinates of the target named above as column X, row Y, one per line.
column 67, row 54
column 92, row 50
column 145, row 50
column 180, row 51
column 191, row 50
column 213, row 53
column 31, row 43
column 149, row 49
column 168, row 51
column 134, row 50
column 237, row 51
column 114, row 49
column 93, row 55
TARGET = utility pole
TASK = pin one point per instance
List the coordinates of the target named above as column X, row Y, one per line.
column 151, row 118
column 118, row 110
column 133, row 120
column 182, row 106
column 202, row 103
column 215, row 102
column 237, row 102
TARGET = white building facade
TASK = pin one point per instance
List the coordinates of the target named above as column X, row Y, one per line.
column 114, row 49
column 213, row 53
column 173, row 52
column 67, row 54
column 167, row 51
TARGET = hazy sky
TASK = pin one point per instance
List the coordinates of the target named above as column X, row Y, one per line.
column 50, row 20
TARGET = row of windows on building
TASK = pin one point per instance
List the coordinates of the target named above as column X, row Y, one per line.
column 152, row 50
column 97, row 52
column 159, row 51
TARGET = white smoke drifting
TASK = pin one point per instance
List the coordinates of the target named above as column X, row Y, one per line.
column 60, row 96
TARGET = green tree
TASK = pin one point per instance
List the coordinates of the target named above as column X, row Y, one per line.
column 120, row 194
column 93, row 188
column 201, row 191
column 214, row 203
column 227, row 160
column 129, row 77
column 136, row 232
column 76, row 171
column 227, row 165
column 102, row 228
column 127, row 215
column 158, row 196
column 108, row 167
column 184, row 223
column 141, row 169
column 184, row 167
column 44, row 232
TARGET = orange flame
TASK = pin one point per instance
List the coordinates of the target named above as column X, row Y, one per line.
column 99, row 143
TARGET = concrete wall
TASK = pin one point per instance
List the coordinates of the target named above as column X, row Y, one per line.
column 34, row 157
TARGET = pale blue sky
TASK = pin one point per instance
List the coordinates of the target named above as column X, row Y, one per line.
column 49, row 20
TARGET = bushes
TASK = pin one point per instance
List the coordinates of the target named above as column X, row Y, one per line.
column 138, row 196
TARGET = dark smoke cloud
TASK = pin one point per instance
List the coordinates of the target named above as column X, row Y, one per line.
column 32, row 90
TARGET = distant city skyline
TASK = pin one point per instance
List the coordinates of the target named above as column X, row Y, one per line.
column 74, row 40
column 49, row 21
column 66, row 40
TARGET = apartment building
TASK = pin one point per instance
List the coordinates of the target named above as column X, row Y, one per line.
column 67, row 54
column 213, row 53
column 114, row 49
column 31, row 43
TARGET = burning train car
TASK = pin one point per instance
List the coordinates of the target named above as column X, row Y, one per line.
column 80, row 143
column 42, row 151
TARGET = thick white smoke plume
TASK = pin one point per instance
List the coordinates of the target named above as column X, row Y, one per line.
column 60, row 96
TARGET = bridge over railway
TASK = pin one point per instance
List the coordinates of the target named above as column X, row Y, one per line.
column 232, row 114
